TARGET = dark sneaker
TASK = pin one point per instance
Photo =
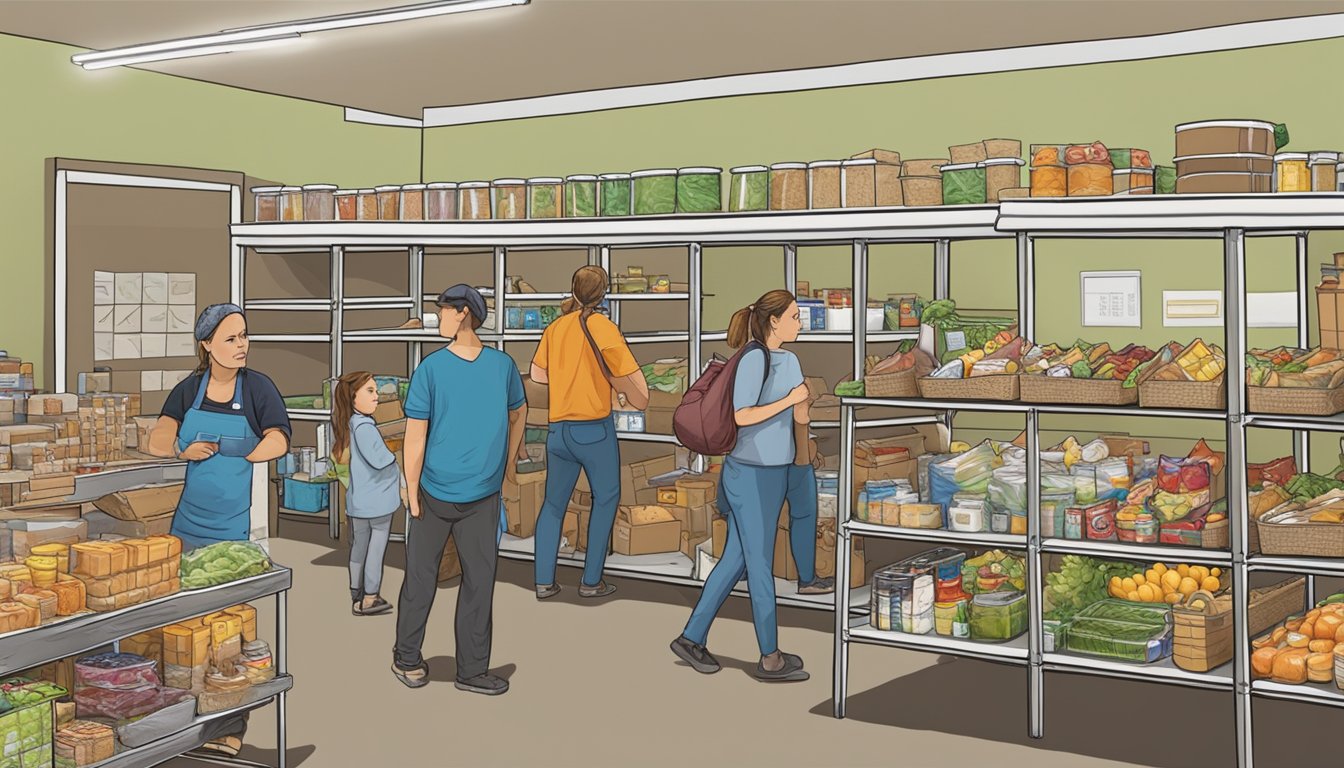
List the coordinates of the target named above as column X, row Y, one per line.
column 791, row 672
column 592, row 593
column 486, row 684
column 817, row 587
column 546, row 592
column 696, row 655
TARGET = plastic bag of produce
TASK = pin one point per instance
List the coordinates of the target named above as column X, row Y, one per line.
column 1008, row 488
column 222, row 563
column 1183, row 475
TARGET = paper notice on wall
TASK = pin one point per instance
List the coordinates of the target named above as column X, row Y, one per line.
column 1271, row 310
column 1111, row 299
column 1192, row 309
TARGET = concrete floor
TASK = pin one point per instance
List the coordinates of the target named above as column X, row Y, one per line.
column 595, row 685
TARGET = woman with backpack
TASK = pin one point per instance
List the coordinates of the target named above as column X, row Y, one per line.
column 767, row 386
column 583, row 359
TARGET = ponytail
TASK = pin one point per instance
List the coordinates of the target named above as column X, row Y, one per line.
column 342, row 409
column 752, row 323
column 587, row 290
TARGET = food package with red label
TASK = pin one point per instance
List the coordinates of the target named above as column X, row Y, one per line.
column 1278, row 472
column 1186, row 533
column 1183, row 475
column 1099, row 521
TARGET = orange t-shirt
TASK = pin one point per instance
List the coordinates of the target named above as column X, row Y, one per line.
column 578, row 390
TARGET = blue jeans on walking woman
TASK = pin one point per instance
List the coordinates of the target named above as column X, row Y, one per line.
column 755, row 495
column 571, row 446
column 801, row 494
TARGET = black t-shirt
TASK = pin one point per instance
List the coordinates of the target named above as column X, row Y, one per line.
column 262, row 404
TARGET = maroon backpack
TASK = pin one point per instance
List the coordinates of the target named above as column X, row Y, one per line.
column 704, row 421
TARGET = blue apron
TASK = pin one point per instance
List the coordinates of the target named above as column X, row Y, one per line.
column 216, row 502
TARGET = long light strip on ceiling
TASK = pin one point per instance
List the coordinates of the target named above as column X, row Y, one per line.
column 241, row 39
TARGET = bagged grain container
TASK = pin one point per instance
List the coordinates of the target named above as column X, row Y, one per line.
column 1002, row 173
column 1217, row 137
column 1132, row 181
column 922, row 190
column 880, row 155
column 963, row 154
column 1090, row 180
column 963, row 184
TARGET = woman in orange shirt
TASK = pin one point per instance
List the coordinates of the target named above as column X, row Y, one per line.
column 583, row 358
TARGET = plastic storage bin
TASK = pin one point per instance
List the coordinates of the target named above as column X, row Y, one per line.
column 823, row 184
column 580, row 196
column 300, row 496
column 368, row 204
column 615, row 194
column 346, row 204
column 473, row 200
column 510, row 198
column 266, row 202
column 441, row 201
column 699, row 190
column 389, row 202
column 749, row 188
column 291, row 203
column 545, row 196
column 1324, row 176
column 654, row 191
column 1292, row 172
column 1119, row 629
column 319, row 202
column 998, row 616
column 788, row 186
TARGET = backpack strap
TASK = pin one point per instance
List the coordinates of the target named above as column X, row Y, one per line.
column 601, row 361
column 765, row 375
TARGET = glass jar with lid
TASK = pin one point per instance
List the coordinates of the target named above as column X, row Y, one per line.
column 319, row 203
column 473, row 200
column 614, row 194
column 1324, row 177
column 545, row 195
column 346, row 204
column 441, row 201
column 580, row 196
column 368, row 204
column 654, row 191
column 788, row 186
column 1291, row 172
column 266, row 203
column 291, row 203
column 823, row 184
column 389, row 199
column 748, row 188
column 412, row 202
column 699, row 190
column 510, row 198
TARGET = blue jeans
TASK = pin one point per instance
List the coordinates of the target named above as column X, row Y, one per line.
column 571, row 446
column 755, row 495
column 802, row 497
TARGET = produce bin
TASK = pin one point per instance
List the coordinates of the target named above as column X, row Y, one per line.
column 1295, row 400
column 1192, row 395
column 27, row 722
column 1121, row 630
column 897, row 384
column 998, row 616
column 1202, row 636
column 1301, row 539
column 1268, row 605
column 1039, row 388
column 301, row 496
column 995, row 387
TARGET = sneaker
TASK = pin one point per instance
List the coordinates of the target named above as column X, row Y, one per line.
column 592, row 593
column 791, row 672
column 546, row 592
column 696, row 655
column 486, row 684
column 817, row 587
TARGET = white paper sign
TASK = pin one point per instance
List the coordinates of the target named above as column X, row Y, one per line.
column 1111, row 299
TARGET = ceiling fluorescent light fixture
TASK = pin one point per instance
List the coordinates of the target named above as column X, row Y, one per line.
column 184, row 53
column 240, row 39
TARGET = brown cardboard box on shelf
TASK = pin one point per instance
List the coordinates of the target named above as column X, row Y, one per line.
column 141, row 504
column 569, row 531
column 645, row 530
column 538, row 395
column 22, row 434
column 694, row 520
column 538, row 417
column 102, row 524
column 935, row 440
column 785, row 568
column 27, row 535
column 636, row 475
column 147, row 644
column 1124, row 445
column 522, row 503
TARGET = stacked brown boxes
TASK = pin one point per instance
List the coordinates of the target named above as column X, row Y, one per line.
column 186, row 654
column 118, row 574
column 84, row 742
column 1330, row 307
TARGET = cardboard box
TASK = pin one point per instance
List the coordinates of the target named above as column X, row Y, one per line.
column 522, row 503
column 569, row 531
column 538, row 395
column 538, row 417
column 102, row 524
column 36, row 534
column 147, row 644
column 785, row 567
column 450, row 567
column 887, row 450
column 388, row 411
column 718, row 528
column 694, row 520
column 22, row 434
column 636, row 475
column 631, row 536
column 151, row 502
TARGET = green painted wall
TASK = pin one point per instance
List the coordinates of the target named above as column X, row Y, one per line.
column 55, row 109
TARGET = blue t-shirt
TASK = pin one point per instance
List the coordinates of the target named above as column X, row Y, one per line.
column 770, row 443
column 467, row 406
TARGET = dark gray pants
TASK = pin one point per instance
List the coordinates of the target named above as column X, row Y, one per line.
column 473, row 527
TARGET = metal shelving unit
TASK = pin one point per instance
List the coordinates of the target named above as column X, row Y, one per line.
column 28, row 648
column 936, row 227
column 1231, row 219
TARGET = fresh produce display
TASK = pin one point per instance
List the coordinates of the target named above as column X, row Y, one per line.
column 1162, row 584
column 1120, row 629
column 1303, row 648
column 1196, row 362
column 222, row 563
column 999, row 355
column 1079, row 582
column 1298, row 368
column 1086, row 361
column 27, row 723
column 849, row 388
column 994, row 571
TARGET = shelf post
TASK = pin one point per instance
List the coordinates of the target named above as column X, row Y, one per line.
column 1035, row 581
column 942, row 269
column 337, row 296
column 416, row 270
column 501, row 255
column 1302, row 437
column 694, row 320
column 845, row 499
column 1026, row 286
column 281, row 651
column 791, row 268
column 1234, row 302
column 859, row 294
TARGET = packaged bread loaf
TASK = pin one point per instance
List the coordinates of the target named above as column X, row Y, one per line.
column 70, row 596
column 924, row 168
column 15, row 615
column 44, row 600
column 968, row 153
column 99, row 558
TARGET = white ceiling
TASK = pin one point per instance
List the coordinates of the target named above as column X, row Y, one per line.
column 564, row 46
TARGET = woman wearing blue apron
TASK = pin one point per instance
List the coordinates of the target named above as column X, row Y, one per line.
column 222, row 420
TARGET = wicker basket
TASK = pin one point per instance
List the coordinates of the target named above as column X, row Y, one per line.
column 1216, row 535
column 898, row 384
column 1039, row 388
column 1192, row 395
column 1269, row 605
column 1295, row 400
column 997, row 387
column 1202, row 639
column 1302, row 539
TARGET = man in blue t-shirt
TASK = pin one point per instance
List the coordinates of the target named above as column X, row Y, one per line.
column 465, row 420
